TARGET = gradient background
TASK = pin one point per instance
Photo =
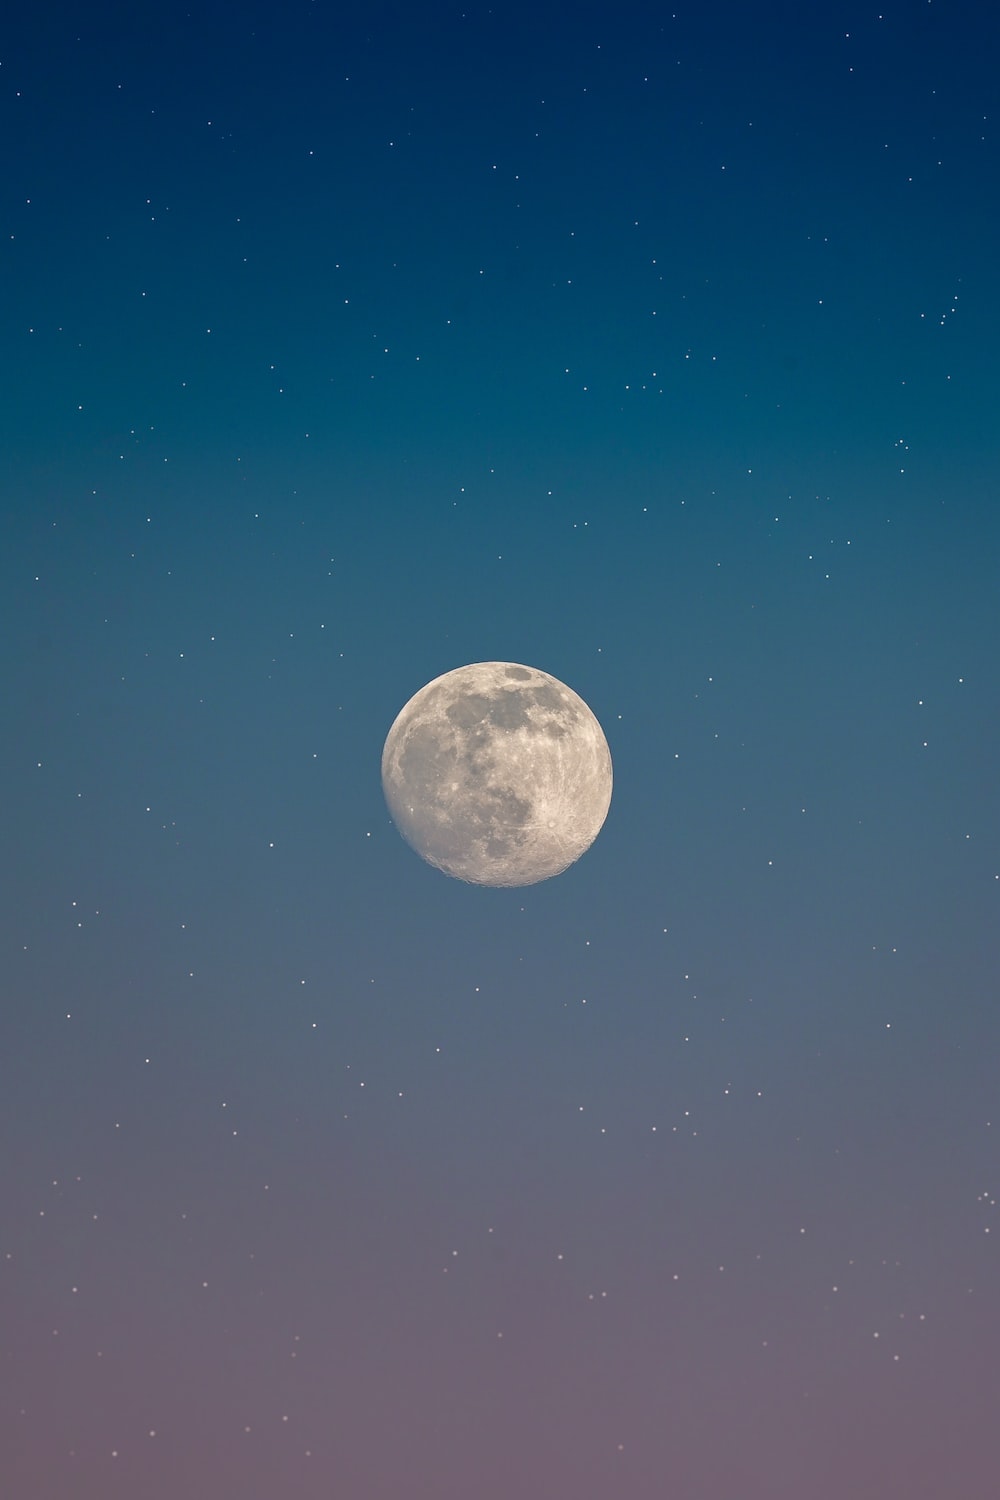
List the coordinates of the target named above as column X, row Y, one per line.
column 655, row 346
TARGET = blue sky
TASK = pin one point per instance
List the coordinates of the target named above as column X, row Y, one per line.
column 654, row 347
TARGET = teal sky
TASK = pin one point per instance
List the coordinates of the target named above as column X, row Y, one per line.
column 651, row 346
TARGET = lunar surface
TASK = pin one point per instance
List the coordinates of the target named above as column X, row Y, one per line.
column 497, row 774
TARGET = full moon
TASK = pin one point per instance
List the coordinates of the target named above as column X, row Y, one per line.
column 497, row 774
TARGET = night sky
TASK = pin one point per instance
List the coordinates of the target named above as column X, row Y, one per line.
column 652, row 346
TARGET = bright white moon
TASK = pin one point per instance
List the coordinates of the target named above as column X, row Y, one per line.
column 498, row 774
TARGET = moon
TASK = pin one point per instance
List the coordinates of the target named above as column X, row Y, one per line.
column 497, row 774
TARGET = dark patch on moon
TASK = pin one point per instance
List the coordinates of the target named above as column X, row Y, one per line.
column 509, row 710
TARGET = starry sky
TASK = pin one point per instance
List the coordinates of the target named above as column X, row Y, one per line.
column 651, row 345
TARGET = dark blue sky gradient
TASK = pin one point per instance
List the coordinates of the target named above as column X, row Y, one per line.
column 652, row 346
